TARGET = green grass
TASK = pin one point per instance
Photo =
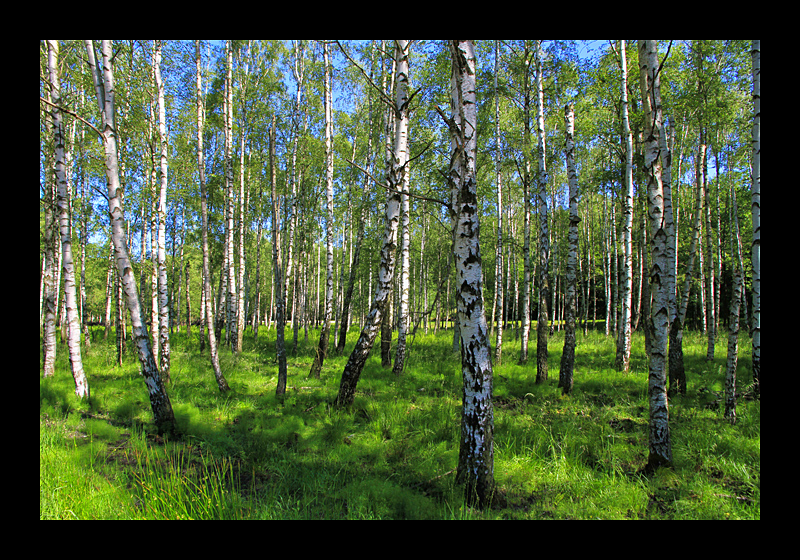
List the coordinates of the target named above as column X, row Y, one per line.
column 245, row 455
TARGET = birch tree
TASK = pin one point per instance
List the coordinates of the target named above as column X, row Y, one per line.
column 277, row 265
column 624, row 340
column 733, row 328
column 103, row 79
column 568, row 354
column 324, row 335
column 163, row 295
column 65, row 230
column 498, row 285
column 660, row 445
column 542, row 328
column 476, row 450
column 755, row 54
column 230, row 269
column 201, row 165
column 394, row 178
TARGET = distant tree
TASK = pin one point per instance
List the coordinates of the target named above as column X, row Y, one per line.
column 324, row 335
column 222, row 383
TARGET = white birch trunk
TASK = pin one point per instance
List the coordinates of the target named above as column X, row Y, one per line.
column 624, row 340
column 103, row 77
column 231, row 293
column 568, row 355
column 756, row 213
column 542, row 328
column 660, row 445
column 163, row 289
column 394, row 178
column 324, row 336
column 498, row 284
column 73, row 320
column 476, row 452
column 207, row 297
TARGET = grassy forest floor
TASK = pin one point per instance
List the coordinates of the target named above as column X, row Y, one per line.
column 393, row 455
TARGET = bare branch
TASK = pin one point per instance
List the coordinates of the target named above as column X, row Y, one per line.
column 74, row 114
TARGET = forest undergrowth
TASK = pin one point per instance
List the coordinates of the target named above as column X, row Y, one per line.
column 246, row 455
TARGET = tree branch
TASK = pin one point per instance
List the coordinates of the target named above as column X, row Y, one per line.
column 64, row 109
column 391, row 190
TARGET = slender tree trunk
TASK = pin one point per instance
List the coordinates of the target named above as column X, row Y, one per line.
column 222, row 384
column 756, row 213
column 526, row 188
column 73, row 320
column 50, row 286
column 163, row 297
column 733, row 329
column 405, row 266
column 498, row 284
column 324, row 335
column 542, row 328
column 231, row 293
column 660, row 444
column 103, row 77
column 395, row 178
column 277, row 262
column 677, row 372
column 624, row 341
column 476, row 452
column 568, row 354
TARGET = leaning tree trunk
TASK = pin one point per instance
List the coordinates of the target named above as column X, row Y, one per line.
column 660, row 445
column 395, row 178
column 73, row 319
column 476, row 451
column 222, row 384
column 756, row 212
column 324, row 335
column 568, row 354
column 103, row 78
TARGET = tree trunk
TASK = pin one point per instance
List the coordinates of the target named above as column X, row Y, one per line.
column 73, row 320
column 733, row 329
column 222, row 384
column 277, row 262
column 568, row 354
column 163, row 298
column 542, row 328
column 476, row 452
column 324, row 334
column 232, row 302
column 624, row 340
column 394, row 178
column 660, row 445
column 677, row 372
column 756, row 213
column 498, row 284
column 104, row 86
